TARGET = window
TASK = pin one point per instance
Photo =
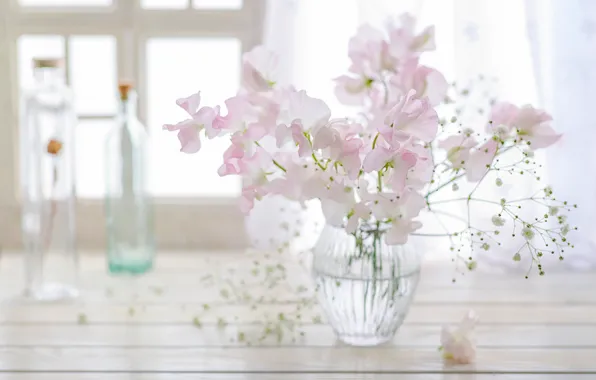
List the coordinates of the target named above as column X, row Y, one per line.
column 169, row 48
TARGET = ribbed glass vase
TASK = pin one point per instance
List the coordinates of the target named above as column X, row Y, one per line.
column 365, row 286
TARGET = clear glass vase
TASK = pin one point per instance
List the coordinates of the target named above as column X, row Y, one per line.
column 128, row 206
column 48, row 186
column 365, row 286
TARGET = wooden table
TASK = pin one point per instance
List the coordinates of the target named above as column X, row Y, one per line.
column 157, row 327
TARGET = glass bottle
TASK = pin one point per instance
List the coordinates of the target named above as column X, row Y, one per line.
column 48, row 185
column 129, row 221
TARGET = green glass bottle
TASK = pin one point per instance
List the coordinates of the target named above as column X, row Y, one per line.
column 129, row 214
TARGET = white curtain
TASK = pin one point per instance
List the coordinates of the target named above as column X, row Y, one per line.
column 541, row 52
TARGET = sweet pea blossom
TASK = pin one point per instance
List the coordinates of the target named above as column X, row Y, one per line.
column 412, row 116
column 426, row 81
column 259, row 70
column 404, row 42
column 457, row 344
column 458, row 148
column 379, row 167
column 480, row 159
column 200, row 118
column 533, row 126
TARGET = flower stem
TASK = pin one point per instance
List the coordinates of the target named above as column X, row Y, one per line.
column 279, row 166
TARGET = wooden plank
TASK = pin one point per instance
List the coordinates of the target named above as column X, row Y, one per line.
column 189, row 287
column 281, row 359
column 419, row 314
column 289, row 376
column 132, row 335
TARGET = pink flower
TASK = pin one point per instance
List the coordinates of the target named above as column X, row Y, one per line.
column 480, row 159
column 533, row 126
column 200, row 118
column 404, row 43
column 369, row 53
column 232, row 157
column 458, row 148
column 343, row 145
column 427, row 82
column 254, row 171
column 311, row 112
column 458, row 344
column 502, row 118
column 397, row 161
column 300, row 182
column 352, row 91
column 412, row 116
column 259, row 70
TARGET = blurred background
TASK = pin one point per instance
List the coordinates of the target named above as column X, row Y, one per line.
column 540, row 51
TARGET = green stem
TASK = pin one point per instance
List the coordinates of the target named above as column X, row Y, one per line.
column 279, row 166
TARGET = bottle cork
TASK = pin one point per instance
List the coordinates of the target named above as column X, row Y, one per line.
column 46, row 62
column 124, row 88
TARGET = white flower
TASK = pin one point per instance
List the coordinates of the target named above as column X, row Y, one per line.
column 498, row 221
column 457, row 344
column 528, row 233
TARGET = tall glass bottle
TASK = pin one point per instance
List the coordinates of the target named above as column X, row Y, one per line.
column 48, row 185
column 129, row 221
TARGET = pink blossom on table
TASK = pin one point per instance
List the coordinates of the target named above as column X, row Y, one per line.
column 457, row 344
column 411, row 115
column 458, row 148
column 404, row 42
column 426, row 81
column 480, row 159
column 259, row 70
column 533, row 126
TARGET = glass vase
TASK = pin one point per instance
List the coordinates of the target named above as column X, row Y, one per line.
column 48, row 185
column 128, row 209
column 364, row 286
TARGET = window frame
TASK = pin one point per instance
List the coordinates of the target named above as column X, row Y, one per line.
column 180, row 223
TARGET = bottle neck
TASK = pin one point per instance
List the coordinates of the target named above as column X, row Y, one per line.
column 48, row 76
column 128, row 108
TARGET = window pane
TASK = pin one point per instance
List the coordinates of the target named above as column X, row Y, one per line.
column 164, row 4
column 93, row 74
column 47, row 46
column 65, row 3
column 90, row 154
column 209, row 65
column 217, row 4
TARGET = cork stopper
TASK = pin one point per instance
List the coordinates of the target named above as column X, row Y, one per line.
column 54, row 147
column 40, row 62
column 124, row 88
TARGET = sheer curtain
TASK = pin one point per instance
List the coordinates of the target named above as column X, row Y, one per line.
column 551, row 63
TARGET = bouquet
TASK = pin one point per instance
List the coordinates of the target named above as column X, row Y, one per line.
column 380, row 169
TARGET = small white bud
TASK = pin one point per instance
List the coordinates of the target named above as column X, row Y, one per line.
column 455, row 187
column 517, row 257
column 499, row 182
column 552, row 210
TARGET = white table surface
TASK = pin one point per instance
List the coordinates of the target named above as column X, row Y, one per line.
column 145, row 328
